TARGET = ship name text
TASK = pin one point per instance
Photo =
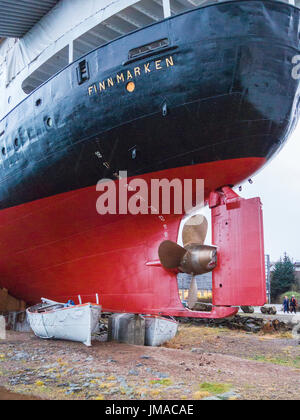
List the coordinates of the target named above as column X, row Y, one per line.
column 130, row 75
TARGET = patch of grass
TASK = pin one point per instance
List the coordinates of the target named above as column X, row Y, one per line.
column 122, row 390
column 39, row 383
column 165, row 381
column 199, row 395
column 50, row 370
column 215, row 387
column 155, row 392
column 107, row 385
column 100, row 397
column 274, row 335
column 292, row 362
column 192, row 336
column 285, row 334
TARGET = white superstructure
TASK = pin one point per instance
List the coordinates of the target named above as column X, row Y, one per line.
column 69, row 30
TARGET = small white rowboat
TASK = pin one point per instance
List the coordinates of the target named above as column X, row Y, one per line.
column 51, row 319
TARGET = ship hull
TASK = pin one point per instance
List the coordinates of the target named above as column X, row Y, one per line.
column 212, row 95
column 217, row 104
column 60, row 247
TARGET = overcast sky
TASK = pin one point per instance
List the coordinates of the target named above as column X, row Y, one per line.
column 278, row 186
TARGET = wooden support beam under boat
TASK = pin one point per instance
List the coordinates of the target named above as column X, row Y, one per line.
column 9, row 303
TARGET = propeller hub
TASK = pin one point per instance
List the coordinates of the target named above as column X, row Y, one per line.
column 194, row 257
column 199, row 259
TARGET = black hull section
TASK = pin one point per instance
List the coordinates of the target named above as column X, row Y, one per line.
column 222, row 89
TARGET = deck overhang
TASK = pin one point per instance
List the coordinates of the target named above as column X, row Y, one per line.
column 19, row 16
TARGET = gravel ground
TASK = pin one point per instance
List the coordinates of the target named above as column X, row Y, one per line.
column 200, row 363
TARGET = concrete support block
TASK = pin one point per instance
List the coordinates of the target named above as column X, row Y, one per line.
column 127, row 328
column 159, row 330
column 22, row 324
column 2, row 328
column 12, row 320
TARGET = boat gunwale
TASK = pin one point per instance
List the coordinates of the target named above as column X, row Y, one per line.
column 35, row 312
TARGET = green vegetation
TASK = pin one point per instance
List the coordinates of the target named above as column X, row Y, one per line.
column 283, row 277
column 278, row 360
column 166, row 382
column 289, row 295
column 215, row 388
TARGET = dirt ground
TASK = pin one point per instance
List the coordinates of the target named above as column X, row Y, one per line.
column 6, row 395
column 200, row 363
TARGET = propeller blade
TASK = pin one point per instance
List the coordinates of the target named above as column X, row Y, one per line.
column 170, row 254
column 195, row 230
column 193, row 293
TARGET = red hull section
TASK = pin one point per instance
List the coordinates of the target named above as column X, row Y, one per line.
column 60, row 247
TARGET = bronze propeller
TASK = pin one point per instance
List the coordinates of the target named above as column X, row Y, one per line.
column 194, row 257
